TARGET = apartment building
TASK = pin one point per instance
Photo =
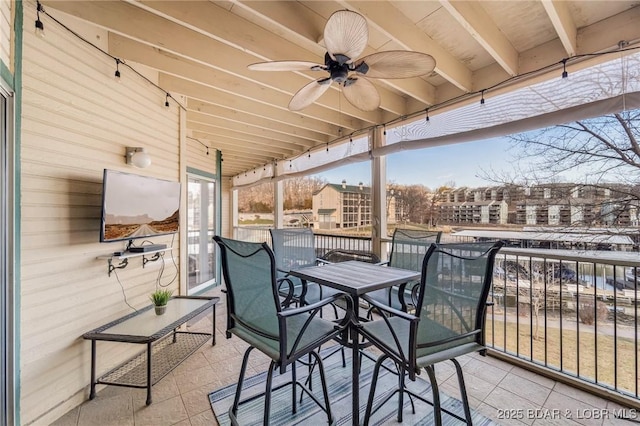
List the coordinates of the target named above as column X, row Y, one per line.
column 347, row 206
column 554, row 204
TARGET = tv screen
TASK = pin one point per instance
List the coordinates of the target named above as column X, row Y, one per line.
column 135, row 206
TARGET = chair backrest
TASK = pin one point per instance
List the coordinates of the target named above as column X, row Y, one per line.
column 293, row 248
column 341, row 255
column 452, row 296
column 250, row 277
column 409, row 247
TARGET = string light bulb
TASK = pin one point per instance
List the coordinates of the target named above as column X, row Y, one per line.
column 327, row 147
column 426, row 112
column 117, row 73
column 565, row 74
column 39, row 24
column 384, row 130
column 166, row 100
column 482, row 97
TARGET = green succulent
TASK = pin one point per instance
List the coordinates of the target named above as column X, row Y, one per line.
column 161, row 297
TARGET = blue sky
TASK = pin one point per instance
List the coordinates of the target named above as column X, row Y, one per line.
column 433, row 167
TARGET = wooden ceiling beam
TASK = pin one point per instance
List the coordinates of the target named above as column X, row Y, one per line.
column 246, row 139
column 215, row 22
column 132, row 50
column 225, row 139
column 283, row 17
column 399, row 28
column 163, row 34
column 473, row 18
column 562, row 21
column 260, row 122
column 279, row 139
column 218, row 97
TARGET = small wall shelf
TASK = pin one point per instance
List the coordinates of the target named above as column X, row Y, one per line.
column 147, row 256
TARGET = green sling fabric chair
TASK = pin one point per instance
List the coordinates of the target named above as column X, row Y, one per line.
column 294, row 248
column 255, row 314
column 408, row 249
column 450, row 306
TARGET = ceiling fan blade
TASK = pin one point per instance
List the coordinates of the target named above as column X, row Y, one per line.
column 346, row 33
column 396, row 64
column 286, row 66
column 361, row 93
column 308, row 94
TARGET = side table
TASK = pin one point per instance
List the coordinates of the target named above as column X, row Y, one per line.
column 166, row 346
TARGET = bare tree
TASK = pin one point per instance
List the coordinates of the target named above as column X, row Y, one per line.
column 298, row 194
column 600, row 157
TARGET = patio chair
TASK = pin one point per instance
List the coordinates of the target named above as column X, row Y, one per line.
column 408, row 248
column 449, row 319
column 293, row 249
column 342, row 255
column 255, row 314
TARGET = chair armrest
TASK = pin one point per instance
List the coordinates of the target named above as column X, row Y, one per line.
column 389, row 309
column 315, row 306
column 320, row 261
column 290, row 294
column 385, row 263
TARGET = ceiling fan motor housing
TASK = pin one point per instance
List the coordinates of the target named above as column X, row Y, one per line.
column 339, row 69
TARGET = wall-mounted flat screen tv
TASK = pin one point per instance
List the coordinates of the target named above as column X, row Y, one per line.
column 135, row 206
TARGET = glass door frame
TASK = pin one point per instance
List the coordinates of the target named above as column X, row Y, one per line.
column 7, row 248
column 208, row 177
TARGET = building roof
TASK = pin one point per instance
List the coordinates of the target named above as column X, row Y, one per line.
column 548, row 236
column 355, row 189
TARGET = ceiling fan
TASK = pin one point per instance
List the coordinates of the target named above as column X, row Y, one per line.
column 346, row 35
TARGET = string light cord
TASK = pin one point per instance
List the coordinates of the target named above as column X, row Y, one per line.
column 562, row 63
column 200, row 142
column 41, row 10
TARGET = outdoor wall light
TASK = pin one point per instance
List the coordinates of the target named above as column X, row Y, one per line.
column 138, row 157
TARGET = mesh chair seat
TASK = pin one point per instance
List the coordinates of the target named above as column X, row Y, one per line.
column 449, row 319
column 424, row 356
column 315, row 330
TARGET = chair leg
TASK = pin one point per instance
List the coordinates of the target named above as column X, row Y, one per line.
column 243, row 369
column 372, row 391
column 293, row 388
column 267, row 394
column 325, row 391
column 437, row 412
column 401, row 393
column 463, row 391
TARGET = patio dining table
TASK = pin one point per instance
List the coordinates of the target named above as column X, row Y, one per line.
column 355, row 278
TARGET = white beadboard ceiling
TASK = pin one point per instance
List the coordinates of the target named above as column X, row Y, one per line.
column 201, row 50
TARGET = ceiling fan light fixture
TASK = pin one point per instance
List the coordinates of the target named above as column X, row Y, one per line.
column 346, row 35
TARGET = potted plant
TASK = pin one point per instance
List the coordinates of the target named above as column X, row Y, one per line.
column 160, row 298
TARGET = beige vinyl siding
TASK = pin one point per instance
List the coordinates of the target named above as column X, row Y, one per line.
column 77, row 121
column 6, row 31
column 197, row 157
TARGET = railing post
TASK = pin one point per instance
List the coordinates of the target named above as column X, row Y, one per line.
column 378, row 195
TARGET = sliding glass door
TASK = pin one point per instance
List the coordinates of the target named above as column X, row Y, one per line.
column 201, row 229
